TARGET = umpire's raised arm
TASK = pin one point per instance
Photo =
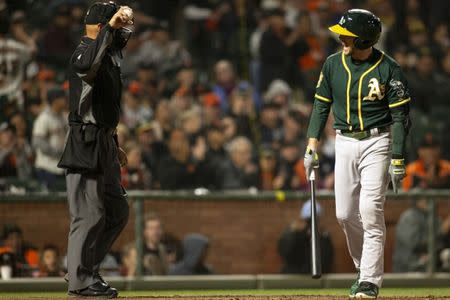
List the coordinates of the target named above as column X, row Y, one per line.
column 87, row 58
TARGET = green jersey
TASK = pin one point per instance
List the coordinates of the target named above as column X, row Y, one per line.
column 362, row 95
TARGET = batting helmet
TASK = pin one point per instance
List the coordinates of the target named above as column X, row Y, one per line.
column 361, row 24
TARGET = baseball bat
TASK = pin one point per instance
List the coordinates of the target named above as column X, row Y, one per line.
column 316, row 263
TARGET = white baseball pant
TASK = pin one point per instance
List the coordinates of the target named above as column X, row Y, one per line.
column 361, row 180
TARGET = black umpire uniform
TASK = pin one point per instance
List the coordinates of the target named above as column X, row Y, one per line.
column 97, row 201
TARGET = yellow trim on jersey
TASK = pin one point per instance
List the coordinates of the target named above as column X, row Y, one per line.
column 348, row 87
column 341, row 30
column 322, row 98
column 361, row 123
column 400, row 103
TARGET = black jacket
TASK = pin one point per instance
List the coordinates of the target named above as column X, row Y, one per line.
column 95, row 81
column 95, row 88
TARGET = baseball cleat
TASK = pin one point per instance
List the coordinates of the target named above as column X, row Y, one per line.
column 354, row 287
column 366, row 290
column 97, row 290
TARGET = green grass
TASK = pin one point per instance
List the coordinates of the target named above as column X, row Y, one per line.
column 332, row 292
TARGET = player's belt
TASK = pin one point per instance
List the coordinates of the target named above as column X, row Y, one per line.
column 361, row 135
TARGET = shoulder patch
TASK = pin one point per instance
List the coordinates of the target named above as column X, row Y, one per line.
column 398, row 87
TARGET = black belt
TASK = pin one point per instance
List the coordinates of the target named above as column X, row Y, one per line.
column 361, row 135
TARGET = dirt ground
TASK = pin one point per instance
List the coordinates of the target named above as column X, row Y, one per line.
column 237, row 298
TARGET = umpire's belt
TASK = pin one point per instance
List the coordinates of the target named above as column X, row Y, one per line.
column 361, row 135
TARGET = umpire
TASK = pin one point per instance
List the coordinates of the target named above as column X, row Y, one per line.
column 92, row 158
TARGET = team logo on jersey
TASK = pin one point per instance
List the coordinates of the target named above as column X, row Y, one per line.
column 398, row 87
column 376, row 90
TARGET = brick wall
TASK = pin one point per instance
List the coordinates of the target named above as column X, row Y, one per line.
column 243, row 234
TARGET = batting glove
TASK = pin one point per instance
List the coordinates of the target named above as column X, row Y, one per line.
column 311, row 161
column 397, row 171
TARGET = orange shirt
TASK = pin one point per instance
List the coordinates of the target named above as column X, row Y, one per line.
column 416, row 171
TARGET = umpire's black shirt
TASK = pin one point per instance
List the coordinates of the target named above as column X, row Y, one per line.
column 95, row 81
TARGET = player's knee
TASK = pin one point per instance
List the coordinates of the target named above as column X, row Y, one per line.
column 343, row 217
column 371, row 215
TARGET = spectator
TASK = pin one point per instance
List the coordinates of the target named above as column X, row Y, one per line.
column 291, row 175
column 50, row 263
column 195, row 251
column 181, row 168
column 25, row 255
column 129, row 260
column 49, row 135
column 423, row 82
column 229, row 128
column 293, row 128
column 57, row 43
column 13, row 60
column 295, row 243
column 215, row 139
column 411, row 231
column 163, row 119
column 135, row 175
column 268, row 169
column 211, row 109
column 135, row 111
column 190, row 122
column 276, row 60
column 26, row 158
column 278, row 93
column 238, row 171
column 270, row 121
column 149, row 138
column 7, row 161
column 173, row 247
column 167, row 55
column 155, row 254
column 225, row 82
column 430, row 170
column 242, row 109
column 327, row 160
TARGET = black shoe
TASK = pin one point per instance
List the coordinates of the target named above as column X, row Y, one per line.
column 96, row 276
column 97, row 290
column 99, row 277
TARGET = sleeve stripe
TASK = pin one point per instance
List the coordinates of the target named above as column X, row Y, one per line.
column 400, row 103
column 322, row 98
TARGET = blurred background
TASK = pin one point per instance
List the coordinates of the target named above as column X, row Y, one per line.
column 217, row 96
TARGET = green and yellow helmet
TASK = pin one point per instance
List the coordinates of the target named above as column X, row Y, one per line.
column 361, row 24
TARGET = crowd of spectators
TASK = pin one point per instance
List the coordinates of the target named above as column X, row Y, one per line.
column 217, row 94
column 163, row 254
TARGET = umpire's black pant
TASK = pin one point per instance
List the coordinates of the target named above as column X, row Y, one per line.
column 98, row 213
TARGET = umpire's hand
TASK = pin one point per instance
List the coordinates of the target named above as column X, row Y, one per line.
column 123, row 159
column 122, row 17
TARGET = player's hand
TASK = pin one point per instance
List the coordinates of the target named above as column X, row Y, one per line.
column 123, row 159
column 122, row 17
column 311, row 161
column 397, row 171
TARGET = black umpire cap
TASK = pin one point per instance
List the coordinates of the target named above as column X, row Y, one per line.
column 100, row 12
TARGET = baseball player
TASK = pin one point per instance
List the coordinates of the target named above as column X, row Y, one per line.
column 369, row 97
column 92, row 157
